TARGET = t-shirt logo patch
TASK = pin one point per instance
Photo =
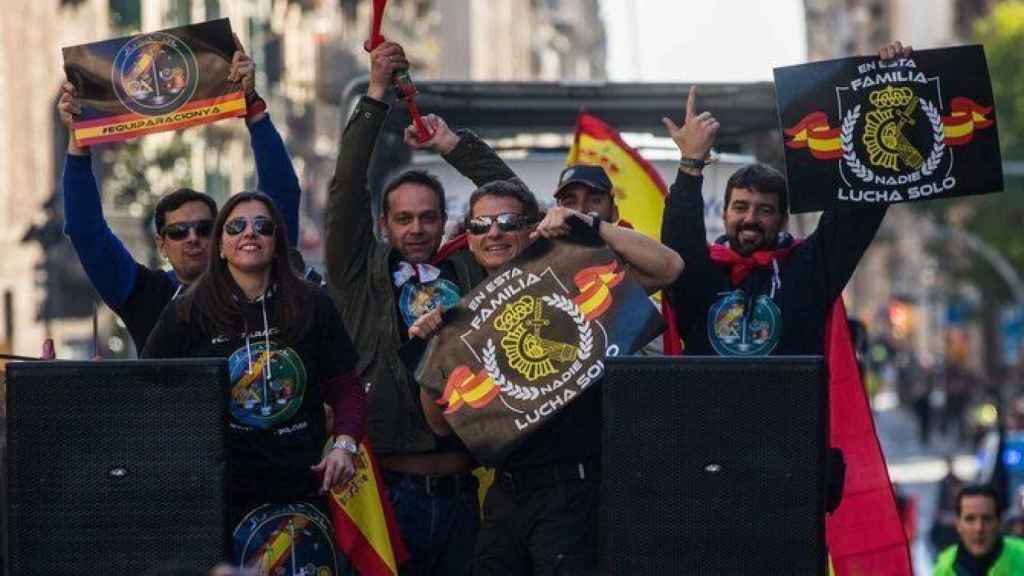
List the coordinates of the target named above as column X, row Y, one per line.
column 741, row 326
column 417, row 299
column 267, row 384
column 292, row 539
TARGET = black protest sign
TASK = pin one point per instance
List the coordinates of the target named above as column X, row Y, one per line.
column 529, row 340
column 870, row 131
column 165, row 80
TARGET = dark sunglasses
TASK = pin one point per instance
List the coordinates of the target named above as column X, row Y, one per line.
column 508, row 222
column 261, row 225
column 179, row 230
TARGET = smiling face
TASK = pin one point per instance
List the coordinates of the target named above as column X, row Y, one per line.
column 753, row 220
column 248, row 251
column 495, row 247
column 188, row 255
column 414, row 221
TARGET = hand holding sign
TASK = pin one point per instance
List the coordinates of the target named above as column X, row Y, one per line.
column 68, row 107
column 697, row 134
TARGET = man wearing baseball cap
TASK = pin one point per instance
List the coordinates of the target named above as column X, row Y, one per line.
column 587, row 189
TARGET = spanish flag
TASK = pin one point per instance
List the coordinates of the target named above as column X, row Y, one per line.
column 639, row 190
column 365, row 528
column 595, row 284
column 967, row 115
column 277, row 550
column 464, row 387
column 813, row 132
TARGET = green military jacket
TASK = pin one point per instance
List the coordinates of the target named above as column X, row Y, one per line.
column 359, row 279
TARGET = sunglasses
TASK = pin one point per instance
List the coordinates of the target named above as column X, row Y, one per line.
column 261, row 225
column 508, row 222
column 179, row 230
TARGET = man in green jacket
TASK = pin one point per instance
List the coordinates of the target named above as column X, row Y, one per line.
column 982, row 551
column 381, row 288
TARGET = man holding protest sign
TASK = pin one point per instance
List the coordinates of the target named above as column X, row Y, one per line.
column 183, row 219
column 381, row 288
column 539, row 516
column 757, row 292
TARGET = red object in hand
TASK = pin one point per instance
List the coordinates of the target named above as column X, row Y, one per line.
column 378, row 17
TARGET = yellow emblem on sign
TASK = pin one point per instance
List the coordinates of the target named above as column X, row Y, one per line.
column 526, row 351
column 884, row 139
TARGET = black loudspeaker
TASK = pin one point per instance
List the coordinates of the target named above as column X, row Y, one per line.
column 116, row 467
column 714, row 465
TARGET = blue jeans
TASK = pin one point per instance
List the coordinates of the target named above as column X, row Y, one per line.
column 439, row 530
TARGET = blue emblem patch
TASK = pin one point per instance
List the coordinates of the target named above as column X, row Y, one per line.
column 741, row 326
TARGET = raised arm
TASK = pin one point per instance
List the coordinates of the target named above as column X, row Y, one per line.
column 106, row 261
column 682, row 226
column 651, row 263
column 463, row 150
column 274, row 170
column 349, row 220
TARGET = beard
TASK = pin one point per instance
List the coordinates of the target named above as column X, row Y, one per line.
column 747, row 244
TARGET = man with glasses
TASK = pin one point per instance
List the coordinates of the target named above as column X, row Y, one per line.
column 183, row 219
column 540, row 516
column 381, row 288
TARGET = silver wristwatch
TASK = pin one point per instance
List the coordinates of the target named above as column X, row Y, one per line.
column 347, row 444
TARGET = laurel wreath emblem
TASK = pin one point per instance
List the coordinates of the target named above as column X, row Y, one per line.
column 586, row 348
column 866, row 174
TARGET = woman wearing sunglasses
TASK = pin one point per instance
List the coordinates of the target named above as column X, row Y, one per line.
column 288, row 355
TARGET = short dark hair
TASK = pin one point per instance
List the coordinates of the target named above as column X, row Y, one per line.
column 176, row 200
column 760, row 178
column 421, row 177
column 512, row 188
column 986, row 490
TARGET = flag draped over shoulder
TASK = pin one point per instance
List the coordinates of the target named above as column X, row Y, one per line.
column 639, row 191
column 365, row 528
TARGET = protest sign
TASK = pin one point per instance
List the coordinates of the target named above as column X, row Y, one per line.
column 530, row 339
column 153, row 82
column 870, row 131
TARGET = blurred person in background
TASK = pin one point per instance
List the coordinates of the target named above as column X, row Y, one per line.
column 981, row 551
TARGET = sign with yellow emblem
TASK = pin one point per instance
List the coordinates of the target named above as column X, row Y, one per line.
column 529, row 340
column 869, row 131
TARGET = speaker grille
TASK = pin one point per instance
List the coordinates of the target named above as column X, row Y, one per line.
column 714, row 465
column 116, row 467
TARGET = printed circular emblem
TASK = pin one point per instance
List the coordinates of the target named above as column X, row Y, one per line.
column 735, row 331
column 286, row 540
column 154, row 74
column 527, row 327
column 417, row 299
column 267, row 385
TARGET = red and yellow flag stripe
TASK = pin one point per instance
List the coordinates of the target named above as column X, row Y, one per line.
column 132, row 125
column 595, row 284
column 966, row 117
column 813, row 132
column 465, row 387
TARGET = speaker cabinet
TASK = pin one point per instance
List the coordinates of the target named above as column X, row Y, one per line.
column 116, row 467
column 714, row 465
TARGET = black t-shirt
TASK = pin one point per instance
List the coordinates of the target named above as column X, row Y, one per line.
column 775, row 310
column 275, row 401
column 572, row 435
column 152, row 290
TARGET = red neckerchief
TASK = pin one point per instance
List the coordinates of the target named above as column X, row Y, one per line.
column 741, row 266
